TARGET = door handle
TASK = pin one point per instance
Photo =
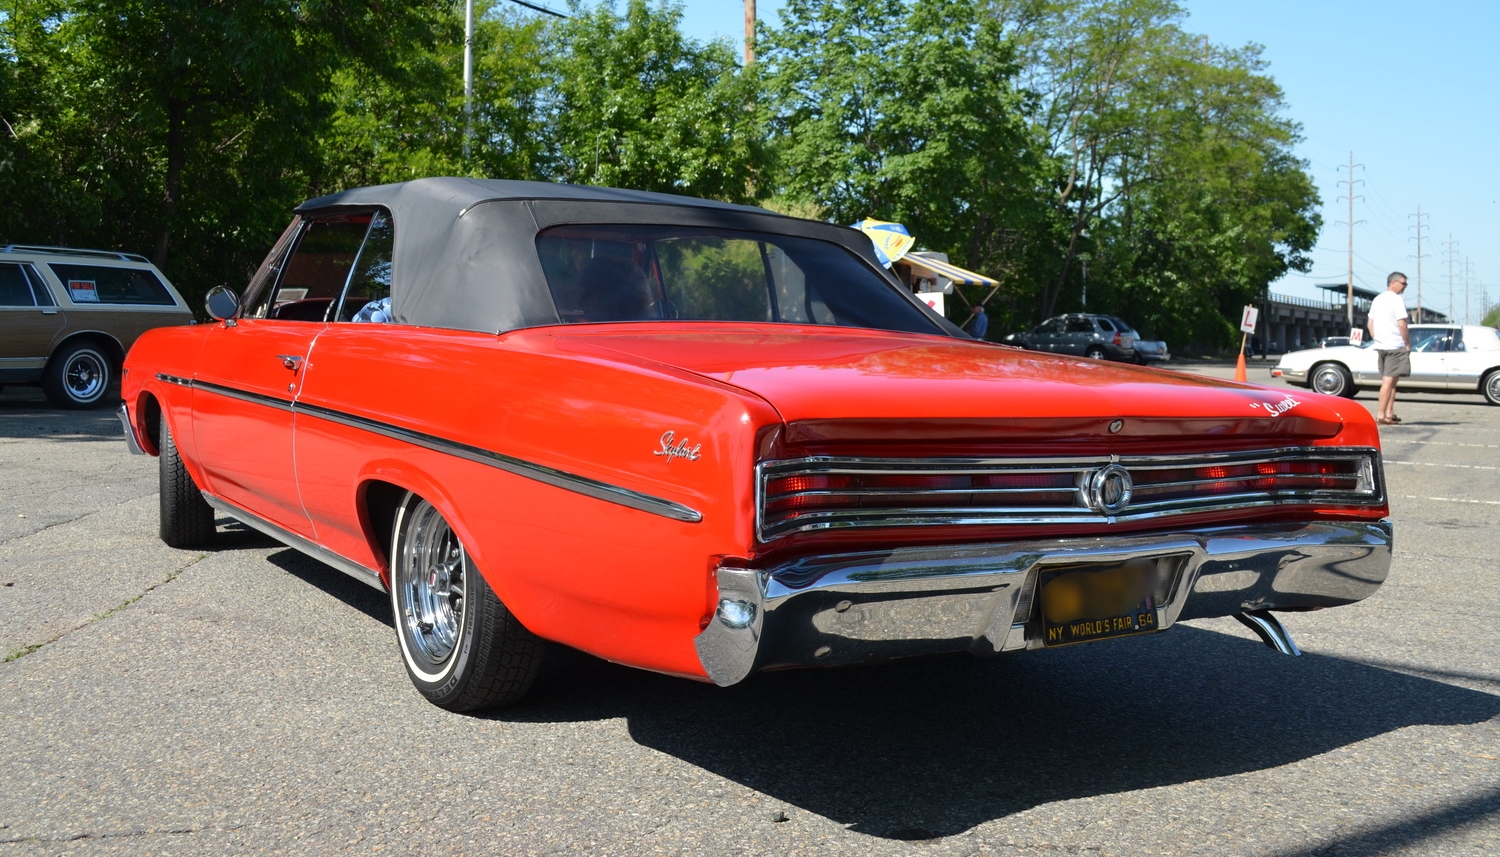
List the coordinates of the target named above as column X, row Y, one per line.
column 290, row 361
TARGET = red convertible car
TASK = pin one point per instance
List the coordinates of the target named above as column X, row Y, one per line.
column 707, row 440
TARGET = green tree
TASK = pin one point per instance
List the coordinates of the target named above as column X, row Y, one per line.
column 188, row 124
column 908, row 111
column 636, row 104
column 408, row 123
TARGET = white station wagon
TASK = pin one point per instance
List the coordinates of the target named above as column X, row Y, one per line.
column 1445, row 358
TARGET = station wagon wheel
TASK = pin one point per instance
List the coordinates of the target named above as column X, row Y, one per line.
column 187, row 521
column 1095, row 353
column 1332, row 379
column 1491, row 387
column 77, row 376
column 462, row 647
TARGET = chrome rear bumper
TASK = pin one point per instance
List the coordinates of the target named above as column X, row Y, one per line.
column 873, row 606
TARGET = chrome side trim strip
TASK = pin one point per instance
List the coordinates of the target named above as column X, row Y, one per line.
column 173, row 379
column 292, row 540
column 253, row 398
column 539, row 472
column 131, row 441
column 510, row 464
column 879, row 605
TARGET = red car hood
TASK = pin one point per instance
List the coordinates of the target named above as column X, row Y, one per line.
column 850, row 385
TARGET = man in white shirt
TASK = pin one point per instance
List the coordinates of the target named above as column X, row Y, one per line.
column 1392, row 341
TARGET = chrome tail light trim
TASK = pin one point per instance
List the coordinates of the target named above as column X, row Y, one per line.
column 826, row 493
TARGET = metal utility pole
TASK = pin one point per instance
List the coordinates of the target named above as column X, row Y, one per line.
column 468, row 76
column 1349, row 295
column 1452, row 254
column 1418, row 227
column 749, row 32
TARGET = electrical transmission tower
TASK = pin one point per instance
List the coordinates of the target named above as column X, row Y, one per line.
column 1468, row 275
column 1419, row 228
column 1452, row 253
column 1349, row 296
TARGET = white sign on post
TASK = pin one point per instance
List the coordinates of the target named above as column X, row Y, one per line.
column 1247, row 324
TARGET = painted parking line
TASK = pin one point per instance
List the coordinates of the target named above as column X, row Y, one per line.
column 1435, row 464
column 1448, row 443
column 1455, row 500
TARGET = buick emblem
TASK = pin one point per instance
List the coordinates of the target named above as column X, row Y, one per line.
column 1108, row 489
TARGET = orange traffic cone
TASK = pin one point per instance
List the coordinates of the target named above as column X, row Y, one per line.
column 1239, row 367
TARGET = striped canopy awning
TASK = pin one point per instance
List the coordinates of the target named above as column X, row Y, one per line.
column 952, row 272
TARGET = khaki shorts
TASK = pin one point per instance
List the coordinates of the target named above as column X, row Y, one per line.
column 1395, row 364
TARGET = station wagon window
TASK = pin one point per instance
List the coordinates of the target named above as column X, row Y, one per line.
column 1080, row 325
column 313, row 277
column 99, row 284
column 21, row 286
column 631, row 273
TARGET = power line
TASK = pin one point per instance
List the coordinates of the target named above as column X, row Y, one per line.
column 535, row 8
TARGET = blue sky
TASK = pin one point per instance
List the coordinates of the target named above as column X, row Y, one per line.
column 1413, row 89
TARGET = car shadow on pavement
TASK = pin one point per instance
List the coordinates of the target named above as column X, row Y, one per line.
column 932, row 748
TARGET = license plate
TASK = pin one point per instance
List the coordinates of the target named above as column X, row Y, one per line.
column 1099, row 602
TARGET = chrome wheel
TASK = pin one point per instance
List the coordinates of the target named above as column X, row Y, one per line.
column 85, row 375
column 462, row 647
column 429, row 576
column 1491, row 388
column 1331, row 379
column 77, row 376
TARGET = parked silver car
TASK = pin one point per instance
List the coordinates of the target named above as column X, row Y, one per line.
column 1084, row 334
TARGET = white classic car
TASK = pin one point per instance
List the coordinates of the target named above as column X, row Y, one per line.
column 1445, row 358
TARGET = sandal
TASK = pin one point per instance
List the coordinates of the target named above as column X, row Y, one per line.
column 1395, row 419
column 1385, row 422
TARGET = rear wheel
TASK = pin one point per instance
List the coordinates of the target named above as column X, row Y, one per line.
column 1490, row 387
column 1332, row 379
column 1094, row 353
column 77, row 376
column 462, row 647
column 187, row 521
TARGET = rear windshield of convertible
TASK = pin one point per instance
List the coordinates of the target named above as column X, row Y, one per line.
column 652, row 272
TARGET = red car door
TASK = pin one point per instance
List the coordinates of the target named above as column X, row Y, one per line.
column 253, row 369
column 248, row 378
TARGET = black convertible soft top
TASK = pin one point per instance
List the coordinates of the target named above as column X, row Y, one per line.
column 465, row 249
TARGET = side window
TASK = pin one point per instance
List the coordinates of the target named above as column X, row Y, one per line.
column 314, row 276
column 99, row 284
column 368, row 295
column 1053, row 325
column 15, row 290
column 1080, row 325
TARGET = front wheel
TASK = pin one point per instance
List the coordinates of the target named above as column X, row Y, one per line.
column 1332, row 379
column 462, row 647
column 187, row 521
column 77, row 376
column 1491, row 387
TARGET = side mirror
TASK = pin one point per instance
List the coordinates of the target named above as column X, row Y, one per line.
column 222, row 303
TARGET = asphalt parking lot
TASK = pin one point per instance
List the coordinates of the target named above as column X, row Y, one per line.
column 249, row 700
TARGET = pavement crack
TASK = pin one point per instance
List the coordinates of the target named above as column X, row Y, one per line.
column 17, row 654
column 74, row 520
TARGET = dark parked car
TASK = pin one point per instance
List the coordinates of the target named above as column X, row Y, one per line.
column 1083, row 334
